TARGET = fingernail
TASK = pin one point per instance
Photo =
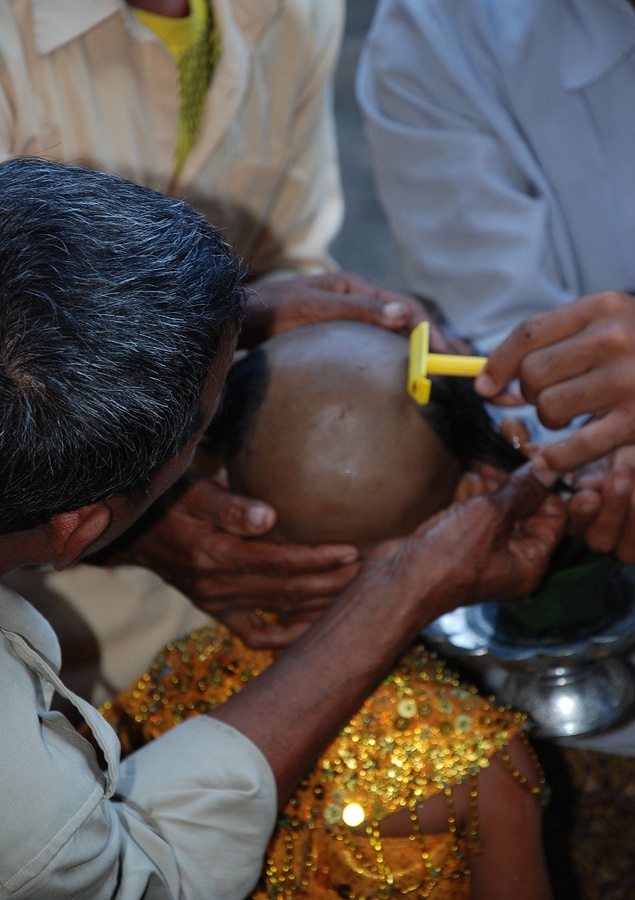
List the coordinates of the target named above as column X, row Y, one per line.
column 542, row 473
column 589, row 504
column 394, row 310
column 484, row 385
column 260, row 517
column 349, row 558
column 622, row 485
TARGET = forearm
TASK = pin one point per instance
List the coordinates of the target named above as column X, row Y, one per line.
column 294, row 709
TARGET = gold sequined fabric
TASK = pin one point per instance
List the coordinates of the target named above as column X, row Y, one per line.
column 419, row 733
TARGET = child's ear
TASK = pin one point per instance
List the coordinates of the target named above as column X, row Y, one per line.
column 70, row 534
column 481, row 478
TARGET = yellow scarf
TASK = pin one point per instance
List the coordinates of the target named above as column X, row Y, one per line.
column 194, row 43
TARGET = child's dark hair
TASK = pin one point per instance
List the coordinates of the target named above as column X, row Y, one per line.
column 455, row 412
column 461, row 421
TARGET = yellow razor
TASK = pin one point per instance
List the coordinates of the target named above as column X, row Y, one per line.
column 422, row 363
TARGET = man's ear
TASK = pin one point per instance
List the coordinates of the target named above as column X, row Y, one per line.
column 481, row 478
column 70, row 534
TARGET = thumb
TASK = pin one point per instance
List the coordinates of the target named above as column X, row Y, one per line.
column 259, row 633
column 393, row 314
column 522, row 493
column 238, row 515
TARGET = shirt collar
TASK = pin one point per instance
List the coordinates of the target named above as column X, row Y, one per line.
column 57, row 23
column 17, row 615
column 597, row 36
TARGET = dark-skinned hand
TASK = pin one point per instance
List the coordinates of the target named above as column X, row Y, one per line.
column 283, row 304
column 197, row 538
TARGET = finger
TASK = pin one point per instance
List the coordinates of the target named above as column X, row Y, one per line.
column 393, row 314
column 419, row 311
column 625, row 456
column 507, row 398
column 522, row 493
column 374, row 304
column 437, row 340
column 209, row 501
column 595, row 347
column 260, row 634
column 626, row 545
column 593, row 440
column 472, row 484
column 591, row 393
column 299, row 589
column 242, row 516
column 583, row 508
column 604, row 532
column 532, row 540
column 546, row 329
column 534, row 333
column 228, row 553
column 275, row 637
column 275, row 592
column 593, row 474
column 516, row 432
column 344, row 282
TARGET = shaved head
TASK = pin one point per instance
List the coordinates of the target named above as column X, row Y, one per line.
column 334, row 442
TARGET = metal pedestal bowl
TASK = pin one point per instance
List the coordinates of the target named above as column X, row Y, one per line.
column 570, row 684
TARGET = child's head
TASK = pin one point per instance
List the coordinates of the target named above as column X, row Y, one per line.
column 318, row 423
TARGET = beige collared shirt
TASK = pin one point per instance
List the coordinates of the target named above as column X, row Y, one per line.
column 83, row 81
column 87, row 83
column 187, row 817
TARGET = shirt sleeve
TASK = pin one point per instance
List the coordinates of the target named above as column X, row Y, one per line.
column 469, row 208
column 206, row 792
column 191, row 815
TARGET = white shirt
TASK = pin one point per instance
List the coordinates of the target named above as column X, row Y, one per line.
column 503, row 137
column 188, row 816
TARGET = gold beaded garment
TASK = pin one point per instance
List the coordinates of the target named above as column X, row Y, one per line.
column 418, row 734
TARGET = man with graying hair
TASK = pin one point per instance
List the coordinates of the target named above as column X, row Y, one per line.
column 105, row 287
column 227, row 104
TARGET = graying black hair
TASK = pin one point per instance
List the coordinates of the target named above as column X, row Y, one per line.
column 114, row 303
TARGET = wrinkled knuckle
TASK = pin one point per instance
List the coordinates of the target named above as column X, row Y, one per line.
column 612, row 303
column 526, row 331
column 231, row 515
column 617, row 338
column 551, row 411
column 290, row 598
column 200, row 560
column 531, row 373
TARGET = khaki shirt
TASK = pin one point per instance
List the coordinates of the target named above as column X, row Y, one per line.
column 83, row 81
column 188, row 816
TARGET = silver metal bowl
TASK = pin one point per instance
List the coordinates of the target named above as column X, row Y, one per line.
column 570, row 685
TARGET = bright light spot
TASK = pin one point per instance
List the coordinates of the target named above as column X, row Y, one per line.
column 353, row 815
column 565, row 705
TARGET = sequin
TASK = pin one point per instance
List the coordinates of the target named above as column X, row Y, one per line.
column 382, row 761
column 407, row 708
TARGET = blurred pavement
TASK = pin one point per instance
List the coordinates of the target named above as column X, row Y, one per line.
column 364, row 244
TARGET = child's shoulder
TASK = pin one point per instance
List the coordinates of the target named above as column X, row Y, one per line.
column 421, row 730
